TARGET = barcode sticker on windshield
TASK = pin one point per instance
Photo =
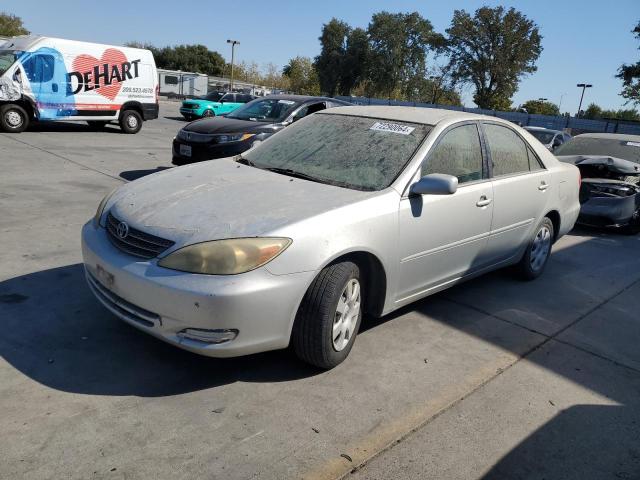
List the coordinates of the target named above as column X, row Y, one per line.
column 392, row 127
column 633, row 144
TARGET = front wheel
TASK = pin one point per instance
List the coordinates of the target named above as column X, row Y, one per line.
column 130, row 121
column 13, row 118
column 329, row 316
column 538, row 251
column 208, row 113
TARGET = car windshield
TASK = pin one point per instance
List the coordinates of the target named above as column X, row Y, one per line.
column 265, row 110
column 214, row 96
column 626, row 149
column 544, row 137
column 8, row 58
column 354, row 152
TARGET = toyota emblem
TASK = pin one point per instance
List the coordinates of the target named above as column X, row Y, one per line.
column 122, row 230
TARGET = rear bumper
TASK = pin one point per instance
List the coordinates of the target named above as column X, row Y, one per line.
column 163, row 302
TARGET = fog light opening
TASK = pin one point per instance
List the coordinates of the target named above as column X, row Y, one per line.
column 208, row 336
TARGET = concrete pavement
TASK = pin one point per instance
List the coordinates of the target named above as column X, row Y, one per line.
column 463, row 380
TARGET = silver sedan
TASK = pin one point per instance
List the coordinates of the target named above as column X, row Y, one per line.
column 351, row 211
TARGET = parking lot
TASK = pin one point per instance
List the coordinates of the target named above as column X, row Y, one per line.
column 494, row 378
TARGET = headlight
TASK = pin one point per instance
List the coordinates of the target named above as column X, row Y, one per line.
column 239, row 137
column 225, row 257
column 182, row 135
column 101, row 205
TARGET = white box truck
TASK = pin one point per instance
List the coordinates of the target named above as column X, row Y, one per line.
column 50, row 79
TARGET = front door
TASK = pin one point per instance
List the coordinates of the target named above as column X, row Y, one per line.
column 444, row 237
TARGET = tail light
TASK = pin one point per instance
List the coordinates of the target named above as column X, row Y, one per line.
column 157, row 93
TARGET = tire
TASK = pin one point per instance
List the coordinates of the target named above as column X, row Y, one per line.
column 538, row 251
column 208, row 113
column 13, row 118
column 130, row 121
column 323, row 308
column 96, row 124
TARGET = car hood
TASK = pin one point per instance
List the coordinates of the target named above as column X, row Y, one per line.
column 614, row 165
column 223, row 125
column 223, row 199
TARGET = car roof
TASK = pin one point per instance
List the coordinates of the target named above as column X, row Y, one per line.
column 305, row 98
column 424, row 115
column 611, row 136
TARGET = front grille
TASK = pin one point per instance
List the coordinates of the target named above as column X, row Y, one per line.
column 120, row 306
column 136, row 243
column 190, row 105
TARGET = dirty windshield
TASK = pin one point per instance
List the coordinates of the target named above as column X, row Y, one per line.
column 267, row 110
column 626, row 149
column 7, row 58
column 354, row 152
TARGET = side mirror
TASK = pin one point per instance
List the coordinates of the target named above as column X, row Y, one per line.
column 556, row 142
column 435, row 184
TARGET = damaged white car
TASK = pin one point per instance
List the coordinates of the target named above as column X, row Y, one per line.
column 349, row 211
column 610, row 168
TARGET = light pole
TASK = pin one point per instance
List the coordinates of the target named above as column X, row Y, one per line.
column 560, row 104
column 233, row 51
column 584, row 86
column 542, row 99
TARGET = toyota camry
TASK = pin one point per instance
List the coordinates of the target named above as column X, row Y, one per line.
column 351, row 211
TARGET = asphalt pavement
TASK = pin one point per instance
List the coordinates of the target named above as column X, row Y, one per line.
column 494, row 378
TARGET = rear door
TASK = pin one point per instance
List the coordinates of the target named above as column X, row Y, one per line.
column 521, row 187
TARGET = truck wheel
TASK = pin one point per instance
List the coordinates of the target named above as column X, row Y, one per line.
column 13, row 118
column 329, row 316
column 130, row 121
column 538, row 251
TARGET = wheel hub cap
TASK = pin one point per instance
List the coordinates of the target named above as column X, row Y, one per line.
column 13, row 118
column 346, row 316
column 540, row 248
column 132, row 121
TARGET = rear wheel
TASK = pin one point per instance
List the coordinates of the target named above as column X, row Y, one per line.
column 13, row 118
column 130, row 121
column 208, row 113
column 329, row 316
column 538, row 251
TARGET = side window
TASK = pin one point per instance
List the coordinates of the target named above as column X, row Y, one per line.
column 245, row 98
column 229, row 98
column 170, row 80
column 301, row 113
column 458, row 153
column 39, row 68
column 534, row 161
column 508, row 151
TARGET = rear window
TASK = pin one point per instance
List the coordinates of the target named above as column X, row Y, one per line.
column 354, row 152
column 628, row 149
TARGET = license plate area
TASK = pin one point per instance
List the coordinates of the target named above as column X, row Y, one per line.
column 185, row 150
column 105, row 278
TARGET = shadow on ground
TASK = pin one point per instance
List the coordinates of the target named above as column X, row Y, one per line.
column 131, row 175
column 75, row 127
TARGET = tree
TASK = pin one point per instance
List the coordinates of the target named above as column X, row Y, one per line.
column 329, row 64
column 492, row 51
column 398, row 46
column 630, row 75
column 354, row 66
column 11, row 26
column 190, row 58
column 302, row 76
column 592, row 111
column 541, row 107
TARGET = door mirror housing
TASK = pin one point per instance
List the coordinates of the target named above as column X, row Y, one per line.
column 435, row 184
column 557, row 142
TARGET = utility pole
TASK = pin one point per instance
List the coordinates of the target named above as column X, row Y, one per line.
column 233, row 51
column 584, row 86
column 560, row 104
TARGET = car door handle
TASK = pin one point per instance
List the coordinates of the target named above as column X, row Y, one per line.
column 483, row 202
column 543, row 186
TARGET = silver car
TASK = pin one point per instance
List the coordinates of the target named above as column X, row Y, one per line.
column 349, row 211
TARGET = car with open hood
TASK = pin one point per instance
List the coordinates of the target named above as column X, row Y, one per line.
column 610, row 167
column 256, row 121
column 347, row 212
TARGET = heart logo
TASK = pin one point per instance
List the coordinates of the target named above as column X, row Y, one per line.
column 87, row 64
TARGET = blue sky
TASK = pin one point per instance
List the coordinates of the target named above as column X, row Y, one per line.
column 584, row 41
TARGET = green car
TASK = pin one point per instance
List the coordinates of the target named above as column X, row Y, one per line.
column 215, row 103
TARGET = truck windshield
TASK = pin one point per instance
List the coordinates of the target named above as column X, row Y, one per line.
column 7, row 58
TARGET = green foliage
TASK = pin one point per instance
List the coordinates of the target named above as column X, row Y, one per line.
column 541, row 107
column 593, row 111
column 302, row 75
column 356, row 60
column 11, row 26
column 630, row 76
column 189, row 58
column 492, row 51
column 398, row 46
column 330, row 63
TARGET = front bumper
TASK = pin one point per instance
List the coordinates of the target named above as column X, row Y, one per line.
column 208, row 151
column 163, row 302
column 610, row 211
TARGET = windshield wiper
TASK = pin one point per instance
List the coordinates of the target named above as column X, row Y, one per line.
column 293, row 173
